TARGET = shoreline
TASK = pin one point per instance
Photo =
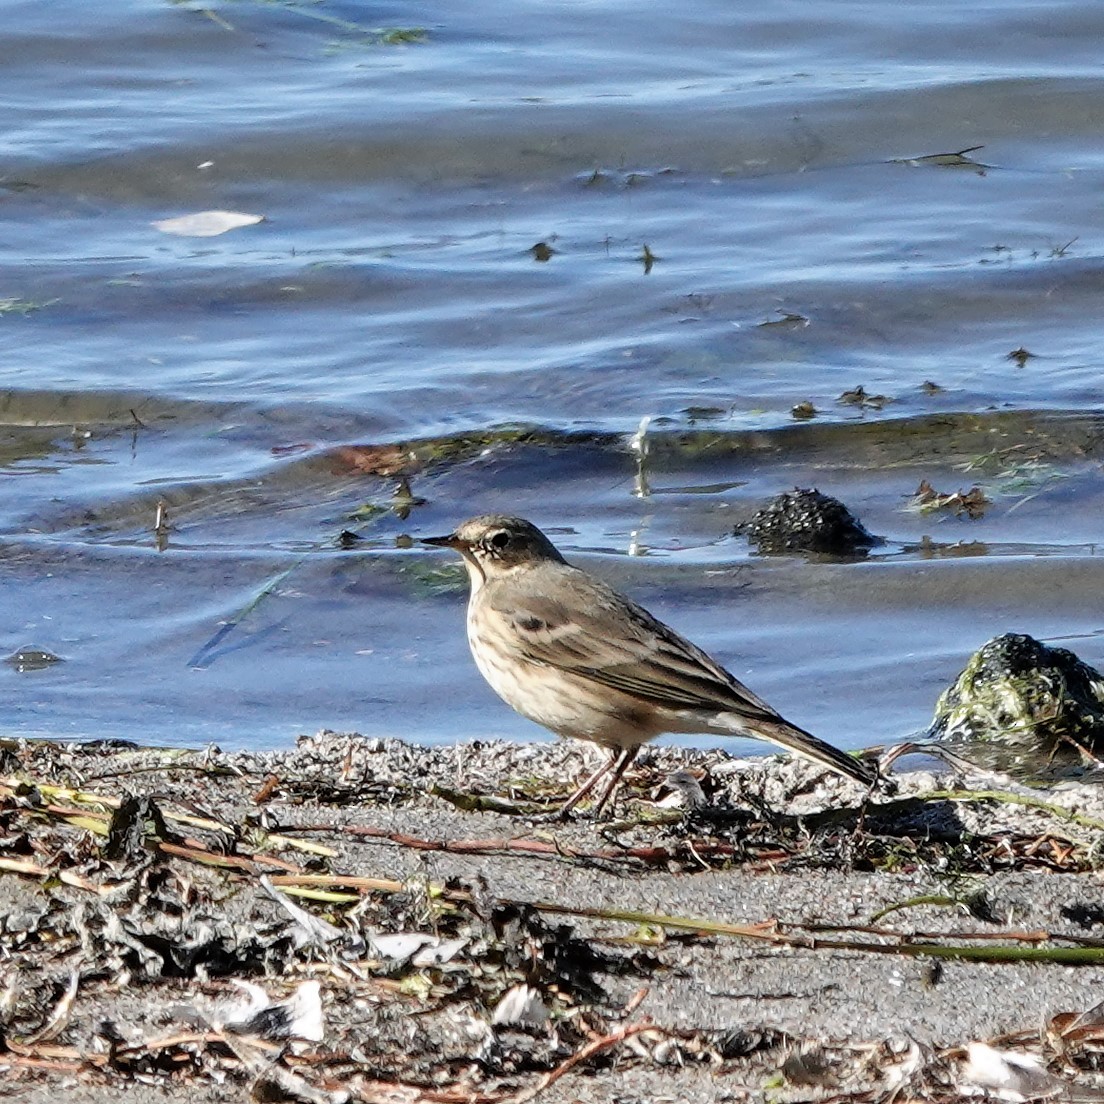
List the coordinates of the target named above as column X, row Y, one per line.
column 788, row 939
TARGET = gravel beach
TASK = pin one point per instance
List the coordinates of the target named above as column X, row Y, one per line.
column 740, row 930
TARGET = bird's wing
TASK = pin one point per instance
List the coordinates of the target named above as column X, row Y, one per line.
column 592, row 631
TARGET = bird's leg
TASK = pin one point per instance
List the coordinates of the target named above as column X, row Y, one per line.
column 587, row 786
column 623, row 760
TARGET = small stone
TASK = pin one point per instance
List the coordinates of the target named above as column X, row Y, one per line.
column 32, row 659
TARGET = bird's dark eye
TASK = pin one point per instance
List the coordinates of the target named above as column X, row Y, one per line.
column 500, row 539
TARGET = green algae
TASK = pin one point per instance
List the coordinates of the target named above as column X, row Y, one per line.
column 1022, row 695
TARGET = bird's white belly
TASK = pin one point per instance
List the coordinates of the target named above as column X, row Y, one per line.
column 566, row 704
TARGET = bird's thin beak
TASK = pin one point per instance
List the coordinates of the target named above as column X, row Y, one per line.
column 449, row 541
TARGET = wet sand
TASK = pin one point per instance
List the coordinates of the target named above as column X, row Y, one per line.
column 807, row 993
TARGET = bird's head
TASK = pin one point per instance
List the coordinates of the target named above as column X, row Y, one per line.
column 493, row 544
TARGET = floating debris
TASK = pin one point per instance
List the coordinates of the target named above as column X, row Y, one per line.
column 639, row 446
column 403, row 499
column 374, row 459
column 206, row 224
column 161, row 526
column 695, row 414
column 860, row 397
column 957, row 160
column 971, row 503
column 788, row 321
column 30, row 658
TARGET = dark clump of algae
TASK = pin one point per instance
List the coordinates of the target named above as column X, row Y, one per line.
column 806, row 520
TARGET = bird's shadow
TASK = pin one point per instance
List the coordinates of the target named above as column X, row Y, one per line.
column 891, row 835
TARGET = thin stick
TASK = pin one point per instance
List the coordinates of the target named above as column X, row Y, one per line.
column 584, row 1054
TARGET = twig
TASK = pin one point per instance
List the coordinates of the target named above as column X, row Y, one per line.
column 59, row 1017
column 768, row 932
column 584, row 1054
column 653, row 855
column 232, row 862
column 22, row 866
column 1006, row 798
column 1038, row 935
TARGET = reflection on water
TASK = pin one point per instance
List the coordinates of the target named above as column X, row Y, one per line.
column 631, row 277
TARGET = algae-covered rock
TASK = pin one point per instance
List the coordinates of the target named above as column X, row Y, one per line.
column 807, row 521
column 1022, row 695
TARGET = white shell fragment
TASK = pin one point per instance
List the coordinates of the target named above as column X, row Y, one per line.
column 1008, row 1075
column 298, row 1017
column 418, row 949
column 206, row 224
column 520, row 1006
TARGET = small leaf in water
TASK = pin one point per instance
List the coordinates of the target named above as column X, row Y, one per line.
column 787, row 321
column 206, row 224
column 590, row 179
column 405, row 499
column 542, row 251
column 24, row 306
column 402, row 36
column 957, row 160
column 366, row 510
column 648, row 258
column 972, row 503
column 1019, row 356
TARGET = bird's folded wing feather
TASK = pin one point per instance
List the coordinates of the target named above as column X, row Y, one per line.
column 598, row 634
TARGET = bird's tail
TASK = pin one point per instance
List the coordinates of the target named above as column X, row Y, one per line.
column 805, row 744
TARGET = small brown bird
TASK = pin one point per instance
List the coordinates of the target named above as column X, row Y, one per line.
column 569, row 652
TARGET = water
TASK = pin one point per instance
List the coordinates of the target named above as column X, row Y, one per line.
column 391, row 319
